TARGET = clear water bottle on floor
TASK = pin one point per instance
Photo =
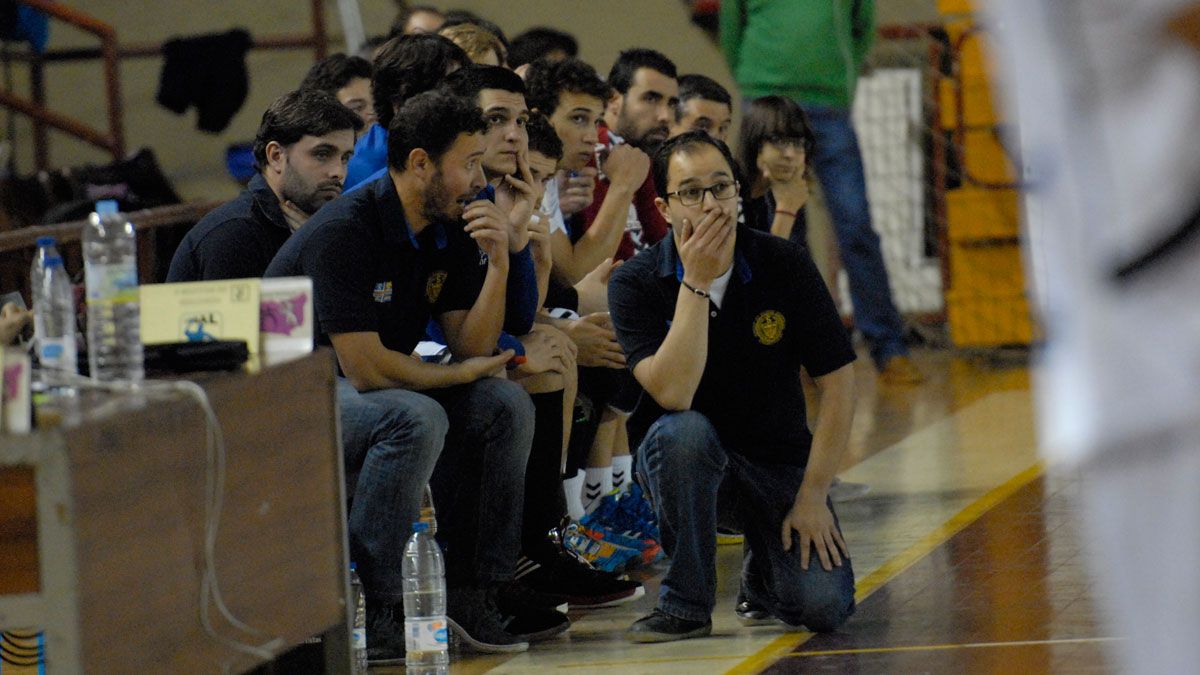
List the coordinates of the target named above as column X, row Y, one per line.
column 358, row 631
column 426, row 638
column 110, row 268
column 53, row 317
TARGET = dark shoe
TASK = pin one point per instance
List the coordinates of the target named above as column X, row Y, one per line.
column 477, row 624
column 527, row 620
column 562, row 579
column 750, row 613
column 658, row 626
column 385, row 634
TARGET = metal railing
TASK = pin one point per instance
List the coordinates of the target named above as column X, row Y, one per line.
column 110, row 52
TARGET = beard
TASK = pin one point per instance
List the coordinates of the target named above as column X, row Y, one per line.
column 647, row 140
column 440, row 206
column 307, row 196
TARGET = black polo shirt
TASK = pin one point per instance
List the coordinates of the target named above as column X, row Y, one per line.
column 236, row 240
column 776, row 316
column 371, row 274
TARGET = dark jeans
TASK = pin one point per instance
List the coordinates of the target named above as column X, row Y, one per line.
column 685, row 462
column 839, row 166
column 479, row 481
column 395, row 441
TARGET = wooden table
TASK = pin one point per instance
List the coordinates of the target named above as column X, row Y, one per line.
column 118, row 518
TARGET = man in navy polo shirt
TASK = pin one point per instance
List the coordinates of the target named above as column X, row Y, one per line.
column 716, row 322
column 384, row 260
column 301, row 149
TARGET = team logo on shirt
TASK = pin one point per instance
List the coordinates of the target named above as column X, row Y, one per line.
column 433, row 287
column 768, row 327
column 383, row 291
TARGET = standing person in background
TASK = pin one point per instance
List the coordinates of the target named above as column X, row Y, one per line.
column 811, row 52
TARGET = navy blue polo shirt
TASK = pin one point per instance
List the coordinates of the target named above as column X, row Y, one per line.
column 370, row 273
column 236, row 240
column 776, row 316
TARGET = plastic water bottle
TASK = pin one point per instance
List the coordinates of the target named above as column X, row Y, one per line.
column 45, row 249
column 358, row 633
column 110, row 269
column 426, row 638
column 53, row 316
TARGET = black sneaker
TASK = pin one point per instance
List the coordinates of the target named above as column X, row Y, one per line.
column 562, row 579
column 658, row 626
column 477, row 623
column 385, row 634
column 750, row 613
column 527, row 620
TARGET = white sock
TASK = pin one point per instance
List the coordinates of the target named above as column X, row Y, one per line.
column 622, row 471
column 573, row 487
column 597, row 483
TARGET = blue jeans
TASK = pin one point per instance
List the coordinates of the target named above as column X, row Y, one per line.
column 479, row 481
column 685, row 462
column 395, row 441
column 837, row 160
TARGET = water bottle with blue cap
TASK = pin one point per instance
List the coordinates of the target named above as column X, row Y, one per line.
column 110, row 271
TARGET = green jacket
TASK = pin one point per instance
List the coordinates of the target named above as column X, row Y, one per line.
column 809, row 50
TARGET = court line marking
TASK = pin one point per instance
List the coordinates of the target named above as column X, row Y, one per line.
column 945, row 647
column 786, row 644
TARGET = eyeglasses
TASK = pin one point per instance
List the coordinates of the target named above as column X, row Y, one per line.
column 797, row 142
column 694, row 196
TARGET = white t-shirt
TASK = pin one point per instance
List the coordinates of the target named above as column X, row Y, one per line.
column 716, row 292
column 551, row 208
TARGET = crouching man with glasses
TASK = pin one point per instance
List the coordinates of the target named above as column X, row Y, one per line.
column 716, row 322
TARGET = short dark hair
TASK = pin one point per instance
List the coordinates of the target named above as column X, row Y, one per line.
column 469, row 81
column 408, row 65
column 701, row 87
column 686, row 142
column 431, row 121
column 542, row 136
column 546, row 80
column 620, row 77
column 304, row 112
column 772, row 118
column 537, row 42
column 335, row 71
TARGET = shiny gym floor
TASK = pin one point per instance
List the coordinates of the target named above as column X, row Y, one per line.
column 968, row 556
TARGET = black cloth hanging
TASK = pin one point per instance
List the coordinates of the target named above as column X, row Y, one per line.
column 208, row 72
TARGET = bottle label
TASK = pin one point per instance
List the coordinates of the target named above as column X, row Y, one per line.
column 57, row 353
column 358, row 638
column 425, row 635
column 111, row 283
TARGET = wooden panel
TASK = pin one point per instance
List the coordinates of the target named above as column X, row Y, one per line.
column 979, row 107
column 974, row 214
column 989, row 269
column 18, row 531
column 139, row 488
column 987, row 320
column 984, row 158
